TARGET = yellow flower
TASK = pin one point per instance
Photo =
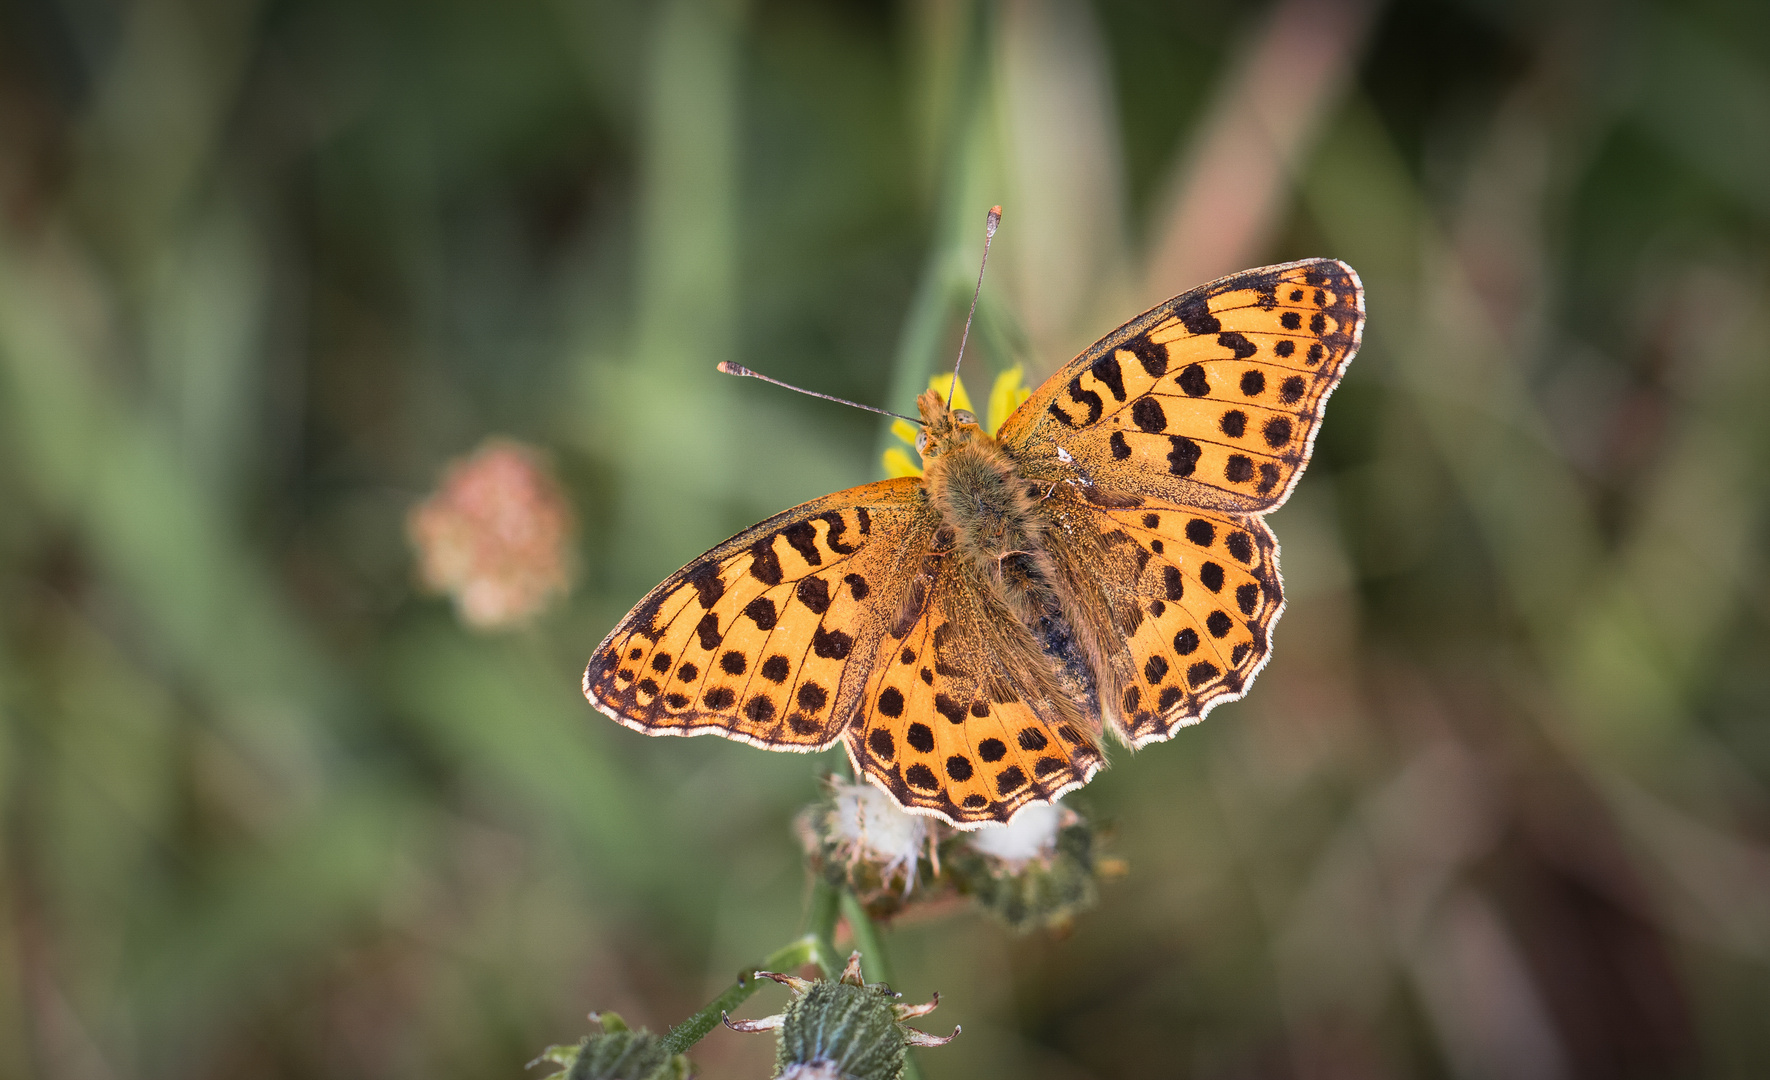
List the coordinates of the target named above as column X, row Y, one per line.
column 1004, row 397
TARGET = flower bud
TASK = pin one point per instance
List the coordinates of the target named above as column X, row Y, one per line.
column 1039, row 870
column 842, row 1030
column 858, row 838
column 618, row 1053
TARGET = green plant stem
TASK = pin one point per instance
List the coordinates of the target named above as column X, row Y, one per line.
column 866, row 939
column 794, row 955
column 874, row 961
column 826, row 905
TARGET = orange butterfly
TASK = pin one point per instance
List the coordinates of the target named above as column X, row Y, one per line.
column 1101, row 563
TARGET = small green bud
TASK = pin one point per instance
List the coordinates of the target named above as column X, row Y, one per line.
column 842, row 1030
column 618, row 1053
column 1040, row 870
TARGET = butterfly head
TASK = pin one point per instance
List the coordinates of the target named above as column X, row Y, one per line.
column 944, row 429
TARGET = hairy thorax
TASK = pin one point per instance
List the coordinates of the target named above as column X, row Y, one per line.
column 990, row 510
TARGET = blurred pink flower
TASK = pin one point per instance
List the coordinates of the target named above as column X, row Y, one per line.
column 495, row 536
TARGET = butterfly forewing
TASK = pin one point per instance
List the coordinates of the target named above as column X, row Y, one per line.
column 961, row 715
column 1211, row 399
column 768, row 637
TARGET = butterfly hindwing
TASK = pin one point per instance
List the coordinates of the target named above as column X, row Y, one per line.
column 963, row 716
column 1192, row 595
column 1211, row 399
column 768, row 637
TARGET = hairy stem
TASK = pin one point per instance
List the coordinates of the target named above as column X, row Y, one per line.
column 873, row 959
column 797, row 954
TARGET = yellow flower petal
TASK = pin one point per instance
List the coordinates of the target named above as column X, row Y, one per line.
column 961, row 400
column 1006, row 395
column 904, row 430
column 898, row 463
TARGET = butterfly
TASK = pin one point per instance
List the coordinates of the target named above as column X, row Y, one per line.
column 1100, row 564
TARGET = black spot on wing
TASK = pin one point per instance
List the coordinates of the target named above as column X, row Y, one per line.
column 761, row 610
column 803, row 536
column 1183, row 455
column 831, row 644
column 1238, row 342
column 814, row 593
column 707, row 586
column 1107, row 370
column 1152, row 355
column 1195, row 314
column 838, row 525
column 765, row 565
column 707, row 630
column 921, row 737
column 881, row 743
column 1084, row 397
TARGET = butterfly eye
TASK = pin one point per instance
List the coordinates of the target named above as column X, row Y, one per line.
column 922, row 441
column 965, row 416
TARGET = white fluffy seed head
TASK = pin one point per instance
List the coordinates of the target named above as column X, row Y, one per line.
column 866, row 822
column 1030, row 834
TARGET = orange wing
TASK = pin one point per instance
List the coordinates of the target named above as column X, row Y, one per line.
column 769, row 637
column 964, row 717
column 1210, row 400
column 1190, row 597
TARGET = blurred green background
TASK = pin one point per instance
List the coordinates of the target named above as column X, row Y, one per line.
column 1499, row 807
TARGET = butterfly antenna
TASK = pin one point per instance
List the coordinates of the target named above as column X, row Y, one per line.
column 989, row 233
column 730, row 368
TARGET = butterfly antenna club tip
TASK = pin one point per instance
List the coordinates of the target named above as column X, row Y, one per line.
column 989, row 233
